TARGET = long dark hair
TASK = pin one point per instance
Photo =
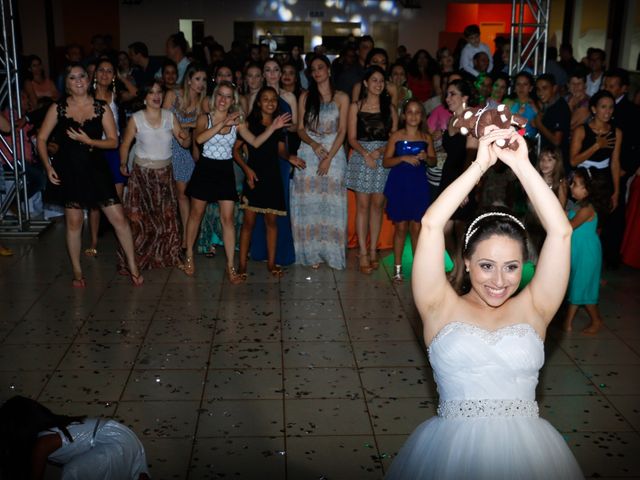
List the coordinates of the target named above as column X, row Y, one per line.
column 116, row 85
column 377, row 51
column 143, row 91
column 314, row 99
column 413, row 69
column 598, row 189
column 297, row 90
column 385, row 98
column 466, row 90
column 254, row 120
column 403, row 117
column 21, row 419
column 599, row 95
column 494, row 221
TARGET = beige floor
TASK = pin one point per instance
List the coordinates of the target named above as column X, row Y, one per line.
column 317, row 375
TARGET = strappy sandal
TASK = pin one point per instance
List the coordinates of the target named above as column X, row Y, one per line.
column 233, row 276
column 365, row 264
column 397, row 276
column 78, row 282
column 136, row 280
column 211, row 252
column 375, row 263
column 91, row 252
column 276, row 271
column 188, row 267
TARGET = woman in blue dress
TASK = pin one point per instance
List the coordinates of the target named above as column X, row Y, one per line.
column 407, row 188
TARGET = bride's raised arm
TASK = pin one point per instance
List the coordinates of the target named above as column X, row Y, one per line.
column 431, row 289
column 547, row 289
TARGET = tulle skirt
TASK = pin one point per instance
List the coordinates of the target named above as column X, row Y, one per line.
column 485, row 448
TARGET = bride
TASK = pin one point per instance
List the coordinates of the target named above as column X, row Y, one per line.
column 486, row 346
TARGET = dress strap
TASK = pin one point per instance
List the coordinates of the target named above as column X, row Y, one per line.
column 61, row 109
column 98, row 107
column 95, row 430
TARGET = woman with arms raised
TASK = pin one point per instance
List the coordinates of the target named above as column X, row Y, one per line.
column 486, row 345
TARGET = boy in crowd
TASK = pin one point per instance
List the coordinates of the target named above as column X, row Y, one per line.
column 472, row 36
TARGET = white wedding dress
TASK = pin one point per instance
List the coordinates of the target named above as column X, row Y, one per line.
column 487, row 425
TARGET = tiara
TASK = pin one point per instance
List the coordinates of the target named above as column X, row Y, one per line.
column 471, row 230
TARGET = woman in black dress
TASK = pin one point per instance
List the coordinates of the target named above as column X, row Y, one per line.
column 459, row 96
column 79, row 174
column 263, row 191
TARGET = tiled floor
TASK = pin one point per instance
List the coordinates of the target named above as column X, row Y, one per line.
column 316, row 375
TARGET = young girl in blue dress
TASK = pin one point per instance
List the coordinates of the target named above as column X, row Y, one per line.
column 586, row 252
column 407, row 188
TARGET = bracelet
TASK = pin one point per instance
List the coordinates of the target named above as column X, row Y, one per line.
column 479, row 166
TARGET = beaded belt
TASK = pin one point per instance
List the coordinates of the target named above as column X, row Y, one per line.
column 487, row 408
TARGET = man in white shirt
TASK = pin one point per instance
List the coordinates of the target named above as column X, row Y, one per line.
column 596, row 59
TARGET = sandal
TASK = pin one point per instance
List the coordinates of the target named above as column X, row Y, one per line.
column 78, row 282
column 5, row 252
column 315, row 266
column 91, row 252
column 276, row 271
column 375, row 263
column 233, row 276
column 365, row 265
column 211, row 252
column 397, row 277
column 136, row 280
column 188, row 267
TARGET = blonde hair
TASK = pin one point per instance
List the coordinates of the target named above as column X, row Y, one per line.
column 184, row 98
column 235, row 106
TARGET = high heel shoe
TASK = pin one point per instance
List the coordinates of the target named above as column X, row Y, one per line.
column 365, row 265
column 91, row 252
column 397, row 276
column 188, row 266
column 233, row 276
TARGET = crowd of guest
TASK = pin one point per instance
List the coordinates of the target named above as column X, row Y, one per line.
column 259, row 149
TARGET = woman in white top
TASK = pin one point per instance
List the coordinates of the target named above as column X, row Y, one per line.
column 150, row 201
column 213, row 179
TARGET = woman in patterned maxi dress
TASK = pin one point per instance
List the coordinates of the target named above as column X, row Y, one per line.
column 318, row 193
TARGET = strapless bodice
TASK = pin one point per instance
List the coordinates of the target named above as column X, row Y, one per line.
column 406, row 147
column 471, row 363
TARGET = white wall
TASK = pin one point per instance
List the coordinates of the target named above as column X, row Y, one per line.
column 153, row 21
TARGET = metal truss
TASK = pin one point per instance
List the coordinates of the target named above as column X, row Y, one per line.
column 531, row 51
column 19, row 223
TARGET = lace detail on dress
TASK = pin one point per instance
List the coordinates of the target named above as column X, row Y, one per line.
column 98, row 110
column 488, row 408
column 491, row 337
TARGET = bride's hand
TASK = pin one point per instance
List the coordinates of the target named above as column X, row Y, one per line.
column 513, row 158
column 486, row 155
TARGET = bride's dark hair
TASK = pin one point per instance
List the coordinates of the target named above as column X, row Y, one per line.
column 21, row 419
column 495, row 221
